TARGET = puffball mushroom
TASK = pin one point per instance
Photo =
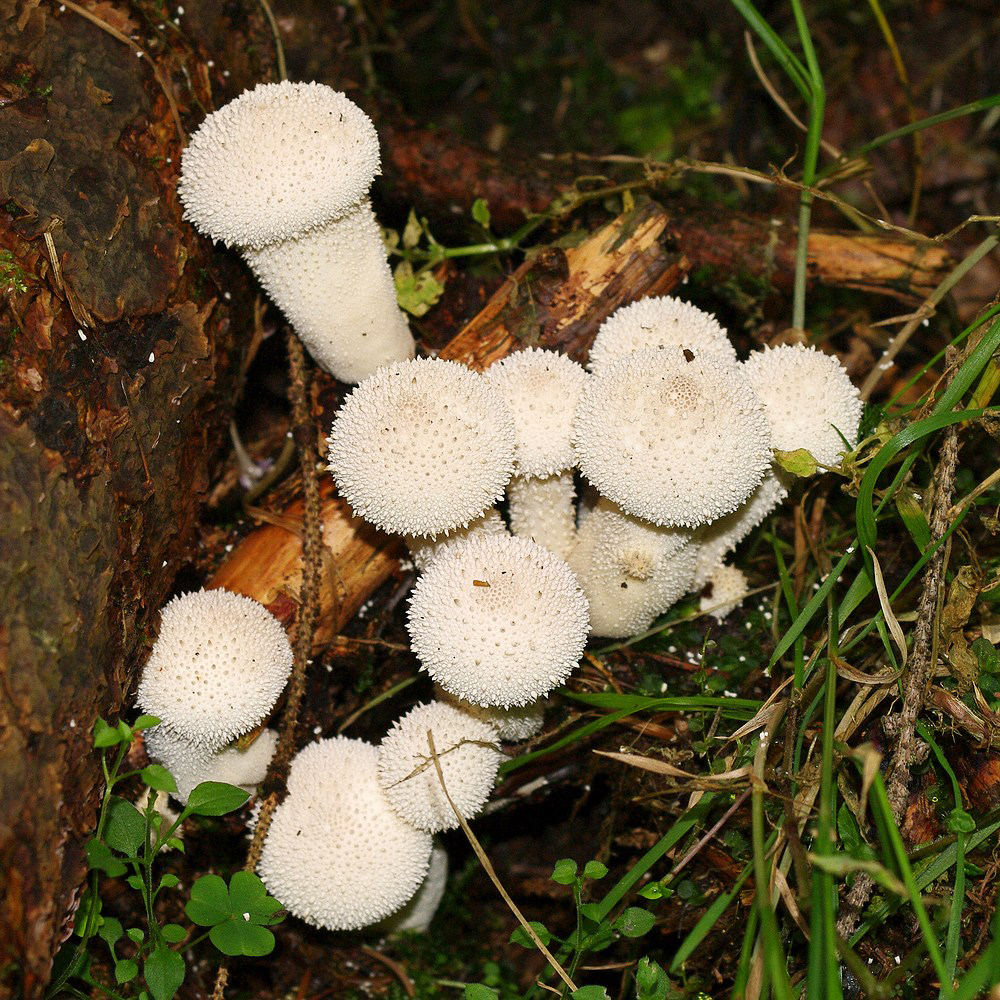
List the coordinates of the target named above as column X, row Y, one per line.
column 336, row 855
column 216, row 669
column 514, row 724
column 418, row 913
column 631, row 570
column 675, row 441
column 498, row 620
column 541, row 388
column 728, row 588
column 469, row 759
column 658, row 321
column 422, row 447
column 809, row 399
column 423, row 550
column 283, row 172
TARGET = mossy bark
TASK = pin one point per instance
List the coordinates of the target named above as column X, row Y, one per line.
column 123, row 337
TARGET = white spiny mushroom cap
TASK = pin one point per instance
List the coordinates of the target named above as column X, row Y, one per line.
column 714, row 540
column 469, row 758
column 541, row 388
column 276, row 162
column 544, row 510
column 808, row 397
column 728, row 588
column 419, row 911
column 422, row 447
column 423, row 550
column 191, row 765
column 217, row 667
column 674, row 441
column 498, row 620
column 336, row 855
column 517, row 723
column 630, row 570
column 658, row 321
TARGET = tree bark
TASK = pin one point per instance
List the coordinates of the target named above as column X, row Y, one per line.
column 121, row 355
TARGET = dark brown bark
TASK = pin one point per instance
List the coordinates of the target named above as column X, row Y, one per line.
column 121, row 355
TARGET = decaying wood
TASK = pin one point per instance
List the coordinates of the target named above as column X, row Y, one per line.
column 121, row 357
column 557, row 300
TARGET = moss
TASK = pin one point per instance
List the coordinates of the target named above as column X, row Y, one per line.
column 13, row 280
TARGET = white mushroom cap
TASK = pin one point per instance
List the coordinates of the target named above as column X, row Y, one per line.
column 544, row 510
column 677, row 442
column 714, row 540
column 658, row 321
column 729, row 588
column 191, row 765
column 419, row 911
column 541, row 388
column 336, row 855
column 514, row 724
column 630, row 570
column 422, row 447
column 808, row 397
column 469, row 758
column 217, row 667
column 335, row 287
column 423, row 550
column 276, row 162
column 498, row 620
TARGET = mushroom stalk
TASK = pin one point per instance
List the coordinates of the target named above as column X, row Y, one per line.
column 544, row 510
column 334, row 285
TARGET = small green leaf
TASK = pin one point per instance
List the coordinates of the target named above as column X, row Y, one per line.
column 652, row 891
column 173, row 933
column 125, row 830
column 214, row 798
column 520, row 935
column 126, row 970
column 158, row 777
column 125, row 731
column 105, row 735
column 390, row 240
column 246, row 892
column 168, row 881
column 237, row 936
column 416, row 291
column 135, row 882
column 99, row 856
column 135, row 935
column 164, row 972
column 209, row 902
column 590, row 993
column 651, row 982
column 594, row 870
column 481, row 212
column 564, row 871
column 798, row 462
column 176, row 843
column 412, row 231
column 635, row 922
column 959, row 821
column 145, row 722
column 476, row 991
column 110, row 932
column 987, row 655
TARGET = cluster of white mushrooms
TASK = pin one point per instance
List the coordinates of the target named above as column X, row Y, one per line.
column 671, row 435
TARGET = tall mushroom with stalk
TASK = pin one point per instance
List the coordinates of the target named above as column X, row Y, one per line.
column 282, row 173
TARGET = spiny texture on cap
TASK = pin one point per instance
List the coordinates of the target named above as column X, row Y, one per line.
column 336, row 855
column 541, row 388
column 630, row 570
column 422, row 447
column 498, row 621
column 217, row 667
column 469, row 762
column 728, row 588
column 673, row 441
column 658, row 321
column 335, row 287
column 419, row 911
column 714, row 540
column 424, row 550
column 191, row 765
column 808, row 397
column 544, row 510
column 517, row 723
column 276, row 162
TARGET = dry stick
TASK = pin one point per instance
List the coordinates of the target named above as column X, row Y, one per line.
column 308, row 612
column 920, row 672
column 488, row 868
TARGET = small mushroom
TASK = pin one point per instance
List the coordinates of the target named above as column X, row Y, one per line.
column 727, row 588
column 283, row 172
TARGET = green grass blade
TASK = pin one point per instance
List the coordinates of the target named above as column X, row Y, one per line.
column 783, row 55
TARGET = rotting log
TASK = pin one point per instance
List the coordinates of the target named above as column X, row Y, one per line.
column 121, row 357
column 557, row 299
